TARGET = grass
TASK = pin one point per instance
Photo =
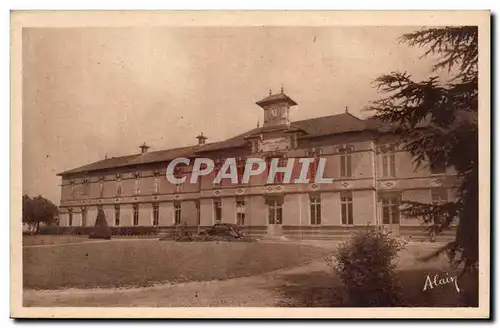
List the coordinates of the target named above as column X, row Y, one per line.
column 145, row 262
column 322, row 289
column 33, row 240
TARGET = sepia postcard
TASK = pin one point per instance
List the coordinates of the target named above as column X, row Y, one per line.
column 250, row 164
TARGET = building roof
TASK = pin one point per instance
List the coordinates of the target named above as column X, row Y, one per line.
column 315, row 127
column 276, row 98
column 137, row 159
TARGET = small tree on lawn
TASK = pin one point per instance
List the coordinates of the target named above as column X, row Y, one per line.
column 365, row 265
column 38, row 210
column 101, row 229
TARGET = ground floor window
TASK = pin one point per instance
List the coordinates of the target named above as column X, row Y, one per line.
column 117, row 215
column 70, row 217
column 217, row 210
column 275, row 210
column 136, row 215
column 390, row 208
column 346, row 209
column 315, row 209
column 240, row 211
column 156, row 214
column 177, row 212
column 84, row 216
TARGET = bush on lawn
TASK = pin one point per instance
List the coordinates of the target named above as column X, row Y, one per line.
column 365, row 265
column 101, row 229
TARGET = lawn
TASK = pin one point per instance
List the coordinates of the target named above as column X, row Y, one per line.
column 146, row 262
column 33, row 240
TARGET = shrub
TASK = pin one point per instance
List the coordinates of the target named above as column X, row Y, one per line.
column 365, row 265
column 101, row 229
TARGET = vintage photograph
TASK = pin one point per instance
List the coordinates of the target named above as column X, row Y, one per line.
column 252, row 162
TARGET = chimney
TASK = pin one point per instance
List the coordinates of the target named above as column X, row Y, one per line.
column 144, row 148
column 201, row 139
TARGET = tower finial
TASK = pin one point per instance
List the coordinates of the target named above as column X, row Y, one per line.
column 201, row 139
column 144, row 148
column 282, row 91
column 346, row 109
column 270, row 91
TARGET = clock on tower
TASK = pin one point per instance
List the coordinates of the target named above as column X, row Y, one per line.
column 276, row 108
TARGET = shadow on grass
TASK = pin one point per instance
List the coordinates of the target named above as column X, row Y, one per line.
column 324, row 289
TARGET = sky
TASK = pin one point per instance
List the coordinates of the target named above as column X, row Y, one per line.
column 92, row 92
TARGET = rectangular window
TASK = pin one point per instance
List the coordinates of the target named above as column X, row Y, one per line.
column 275, row 207
column 345, row 165
column 240, row 167
column 101, row 187
column 136, row 215
column 279, row 176
column 86, row 186
column 157, row 185
column 346, row 161
column 315, row 209
column 70, row 217
column 84, row 216
column 390, row 208
column 388, row 157
column 217, row 210
column 117, row 215
column 217, row 167
column 72, row 184
column 156, row 214
column 313, row 167
column 119, row 189
column 389, row 165
column 137, row 189
column 240, row 211
column 439, row 196
column 346, row 208
column 177, row 212
column 178, row 175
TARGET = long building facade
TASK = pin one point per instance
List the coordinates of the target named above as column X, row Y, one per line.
column 371, row 177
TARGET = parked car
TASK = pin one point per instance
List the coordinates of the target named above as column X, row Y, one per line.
column 228, row 230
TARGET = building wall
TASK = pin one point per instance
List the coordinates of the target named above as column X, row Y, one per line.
column 365, row 182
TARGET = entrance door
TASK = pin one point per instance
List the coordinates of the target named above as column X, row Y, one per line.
column 275, row 216
column 390, row 212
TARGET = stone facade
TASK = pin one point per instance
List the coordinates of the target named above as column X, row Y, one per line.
column 367, row 175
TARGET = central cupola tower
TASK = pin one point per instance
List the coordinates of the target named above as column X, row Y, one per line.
column 276, row 108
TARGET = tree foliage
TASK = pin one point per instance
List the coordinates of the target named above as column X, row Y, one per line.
column 38, row 210
column 435, row 120
column 365, row 263
column 101, row 229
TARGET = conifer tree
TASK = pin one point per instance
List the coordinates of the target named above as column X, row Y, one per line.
column 435, row 120
column 101, row 229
